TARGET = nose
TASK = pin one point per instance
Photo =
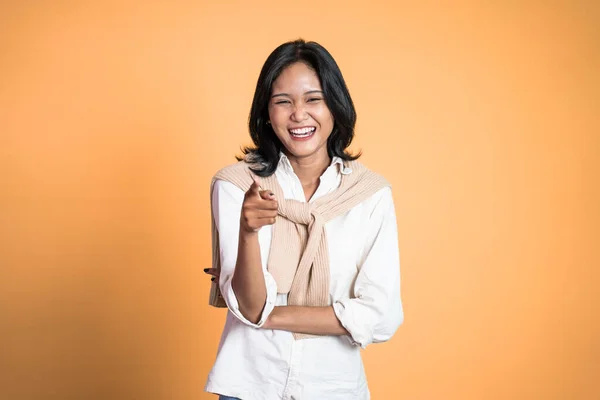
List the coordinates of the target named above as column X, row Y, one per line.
column 299, row 113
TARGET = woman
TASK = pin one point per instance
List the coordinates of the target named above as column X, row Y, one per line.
column 305, row 242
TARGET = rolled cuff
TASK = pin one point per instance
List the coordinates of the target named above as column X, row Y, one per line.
column 360, row 334
column 367, row 324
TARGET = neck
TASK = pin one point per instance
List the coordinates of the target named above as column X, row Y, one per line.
column 309, row 169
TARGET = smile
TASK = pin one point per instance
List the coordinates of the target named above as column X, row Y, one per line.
column 302, row 133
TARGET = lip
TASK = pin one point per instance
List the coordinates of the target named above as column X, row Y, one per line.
column 302, row 139
column 301, row 127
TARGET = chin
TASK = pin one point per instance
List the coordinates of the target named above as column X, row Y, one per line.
column 301, row 151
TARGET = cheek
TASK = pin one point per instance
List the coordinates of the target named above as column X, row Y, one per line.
column 277, row 116
column 326, row 118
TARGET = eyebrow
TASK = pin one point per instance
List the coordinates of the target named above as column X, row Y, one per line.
column 305, row 93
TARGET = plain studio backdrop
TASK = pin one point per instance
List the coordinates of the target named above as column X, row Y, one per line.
column 482, row 114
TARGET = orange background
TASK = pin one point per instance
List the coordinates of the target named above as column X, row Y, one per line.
column 114, row 116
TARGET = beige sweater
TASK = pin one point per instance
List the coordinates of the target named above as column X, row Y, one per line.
column 298, row 258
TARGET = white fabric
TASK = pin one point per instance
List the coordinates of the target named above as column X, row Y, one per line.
column 254, row 363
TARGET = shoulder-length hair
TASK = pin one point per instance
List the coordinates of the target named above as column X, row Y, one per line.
column 267, row 147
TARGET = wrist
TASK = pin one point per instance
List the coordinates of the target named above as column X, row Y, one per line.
column 248, row 234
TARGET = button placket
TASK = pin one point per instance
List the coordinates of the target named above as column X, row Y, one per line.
column 294, row 372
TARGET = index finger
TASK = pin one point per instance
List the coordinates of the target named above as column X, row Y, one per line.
column 255, row 187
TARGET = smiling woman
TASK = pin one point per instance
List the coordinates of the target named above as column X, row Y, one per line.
column 305, row 245
column 299, row 85
column 298, row 113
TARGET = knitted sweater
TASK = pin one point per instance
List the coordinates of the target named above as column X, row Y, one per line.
column 298, row 258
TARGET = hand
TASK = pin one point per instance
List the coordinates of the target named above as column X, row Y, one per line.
column 213, row 272
column 258, row 209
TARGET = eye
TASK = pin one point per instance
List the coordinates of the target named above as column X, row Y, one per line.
column 314, row 99
column 282, row 102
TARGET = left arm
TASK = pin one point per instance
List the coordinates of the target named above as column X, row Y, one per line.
column 301, row 319
column 375, row 311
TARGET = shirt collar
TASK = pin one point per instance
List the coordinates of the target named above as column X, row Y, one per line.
column 284, row 161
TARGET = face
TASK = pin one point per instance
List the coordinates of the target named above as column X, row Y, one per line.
column 298, row 113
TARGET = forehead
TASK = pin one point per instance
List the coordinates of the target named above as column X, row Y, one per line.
column 297, row 77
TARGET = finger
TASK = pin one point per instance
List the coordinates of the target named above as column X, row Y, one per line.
column 259, row 211
column 267, row 195
column 265, row 214
column 252, row 205
column 211, row 271
column 266, row 220
column 267, row 205
column 258, row 223
column 255, row 187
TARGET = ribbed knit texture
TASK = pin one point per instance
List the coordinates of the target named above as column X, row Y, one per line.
column 298, row 258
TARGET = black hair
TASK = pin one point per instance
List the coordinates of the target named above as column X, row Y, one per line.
column 267, row 146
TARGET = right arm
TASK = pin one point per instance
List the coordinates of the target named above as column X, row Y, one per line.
column 248, row 289
column 248, row 280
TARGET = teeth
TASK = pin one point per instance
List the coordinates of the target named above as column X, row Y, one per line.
column 302, row 131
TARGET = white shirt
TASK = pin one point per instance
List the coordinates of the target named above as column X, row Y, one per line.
column 263, row 364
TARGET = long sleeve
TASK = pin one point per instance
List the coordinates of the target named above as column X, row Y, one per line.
column 375, row 311
column 227, row 206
